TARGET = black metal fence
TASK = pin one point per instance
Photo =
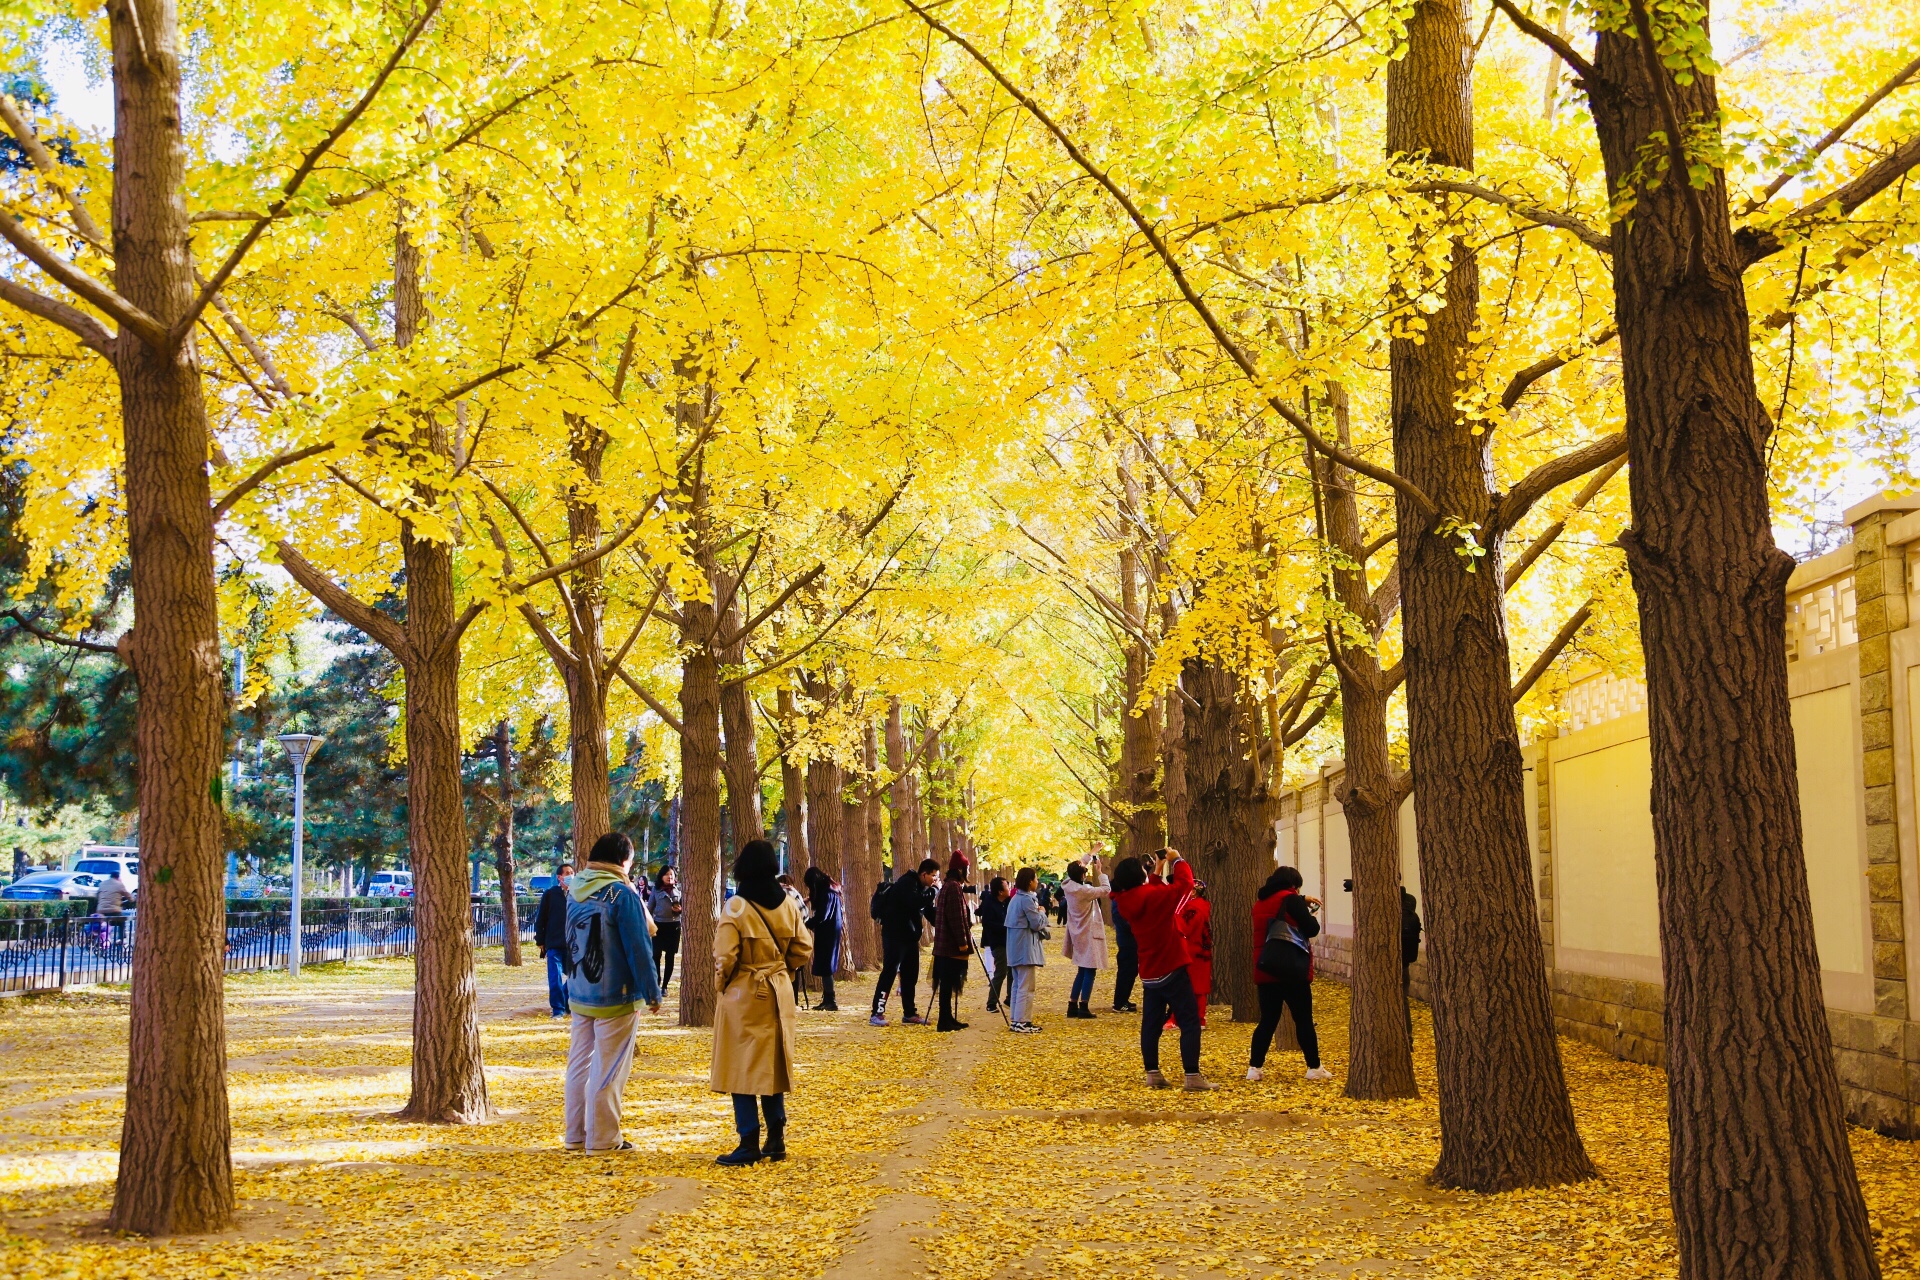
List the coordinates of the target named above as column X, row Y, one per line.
column 48, row 955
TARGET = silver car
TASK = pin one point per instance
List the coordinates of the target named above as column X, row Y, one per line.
column 48, row 886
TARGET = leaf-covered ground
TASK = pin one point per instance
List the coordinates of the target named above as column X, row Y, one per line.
column 971, row 1156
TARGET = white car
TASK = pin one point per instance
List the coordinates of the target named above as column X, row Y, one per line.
column 102, row 860
column 49, row 886
column 390, row 884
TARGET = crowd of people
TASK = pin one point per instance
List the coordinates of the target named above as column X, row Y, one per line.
column 610, row 945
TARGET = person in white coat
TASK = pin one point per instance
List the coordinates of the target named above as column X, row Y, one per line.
column 1086, row 943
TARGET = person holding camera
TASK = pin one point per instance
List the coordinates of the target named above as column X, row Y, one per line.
column 1026, row 926
column 1151, row 904
column 1283, row 925
column 1086, row 941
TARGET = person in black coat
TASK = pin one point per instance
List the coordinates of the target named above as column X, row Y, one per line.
column 993, row 936
column 903, row 918
column 1409, row 950
column 550, row 935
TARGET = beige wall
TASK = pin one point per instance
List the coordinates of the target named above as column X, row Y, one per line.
column 1339, row 903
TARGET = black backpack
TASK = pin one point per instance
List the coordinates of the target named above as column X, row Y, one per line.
column 877, row 905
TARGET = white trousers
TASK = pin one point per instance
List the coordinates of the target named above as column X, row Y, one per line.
column 599, row 1058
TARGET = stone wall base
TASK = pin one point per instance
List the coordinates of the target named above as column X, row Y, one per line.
column 1878, row 1058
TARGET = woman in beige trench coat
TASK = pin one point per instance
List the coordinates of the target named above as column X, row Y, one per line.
column 759, row 941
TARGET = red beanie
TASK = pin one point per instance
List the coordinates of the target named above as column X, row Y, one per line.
column 957, row 865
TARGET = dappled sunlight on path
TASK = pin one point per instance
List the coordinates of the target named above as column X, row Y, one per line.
column 977, row 1156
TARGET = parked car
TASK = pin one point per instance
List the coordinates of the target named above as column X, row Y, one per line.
column 390, row 884
column 51, row 886
column 539, row 885
column 102, row 860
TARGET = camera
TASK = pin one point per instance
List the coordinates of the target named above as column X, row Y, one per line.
column 1347, row 885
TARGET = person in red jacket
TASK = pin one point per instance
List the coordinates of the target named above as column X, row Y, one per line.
column 1150, row 906
column 1196, row 922
column 1289, row 983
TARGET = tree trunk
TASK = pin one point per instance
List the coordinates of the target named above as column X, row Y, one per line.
column 742, row 761
column 449, row 1084
column 1209, row 753
column 1380, row 1049
column 876, row 845
column 175, row 1174
column 1234, row 885
column 939, row 823
column 700, row 812
column 1173, row 768
column 503, row 848
column 793, row 790
column 899, row 802
column 1139, row 727
column 856, row 882
column 1762, row 1178
column 1505, row 1120
column 823, row 815
column 586, row 676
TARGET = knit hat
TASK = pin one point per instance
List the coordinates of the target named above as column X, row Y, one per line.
column 957, row 865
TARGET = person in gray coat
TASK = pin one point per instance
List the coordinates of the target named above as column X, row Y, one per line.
column 1026, row 931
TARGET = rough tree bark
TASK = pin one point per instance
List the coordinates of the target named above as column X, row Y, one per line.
column 742, row 760
column 1210, row 747
column 449, row 1082
column 1232, row 888
column 793, row 789
column 175, row 1173
column 899, row 799
column 856, row 881
column 1381, row 1051
column 586, row 675
column 823, row 789
column 1505, row 1120
column 1138, row 756
column 873, row 818
column 1762, row 1179
column 699, row 767
column 939, row 825
column 503, row 847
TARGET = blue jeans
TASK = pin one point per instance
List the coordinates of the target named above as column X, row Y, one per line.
column 746, row 1123
column 1082, row 986
column 556, row 984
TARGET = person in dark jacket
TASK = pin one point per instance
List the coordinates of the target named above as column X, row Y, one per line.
column 826, row 918
column 993, row 936
column 1409, row 950
column 550, row 935
column 664, row 905
column 1281, row 909
column 908, row 908
column 1126, row 965
column 952, row 941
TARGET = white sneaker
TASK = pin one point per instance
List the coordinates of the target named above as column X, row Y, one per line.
column 1253, row 1073
column 1319, row 1074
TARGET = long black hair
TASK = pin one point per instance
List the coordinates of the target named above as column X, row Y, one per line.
column 819, row 888
column 756, row 875
column 1282, row 879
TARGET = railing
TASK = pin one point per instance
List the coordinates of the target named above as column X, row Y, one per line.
column 48, row 955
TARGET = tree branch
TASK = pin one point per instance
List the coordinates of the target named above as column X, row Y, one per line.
column 377, row 627
column 149, row 330
column 653, row 704
column 1599, row 241
column 261, row 472
column 1523, row 381
column 33, row 629
column 1554, row 530
column 91, row 332
column 1550, row 475
column 1755, row 244
column 1834, row 134
column 1312, row 438
column 1553, row 650
column 300, row 174
column 1581, row 67
column 30, row 143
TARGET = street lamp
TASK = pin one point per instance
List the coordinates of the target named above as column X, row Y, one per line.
column 300, row 748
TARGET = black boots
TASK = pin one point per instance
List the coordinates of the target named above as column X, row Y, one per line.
column 1078, row 1009
column 748, row 1152
column 776, row 1148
